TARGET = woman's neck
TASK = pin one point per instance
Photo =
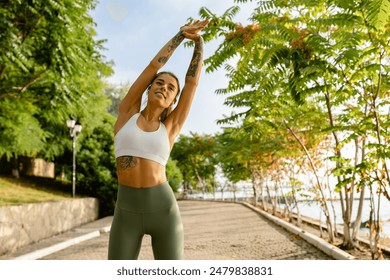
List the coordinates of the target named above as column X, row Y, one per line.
column 151, row 114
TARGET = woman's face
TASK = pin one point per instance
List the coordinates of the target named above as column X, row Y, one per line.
column 163, row 90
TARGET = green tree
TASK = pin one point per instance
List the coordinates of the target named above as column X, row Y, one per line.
column 50, row 69
column 195, row 158
column 175, row 177
column 96, row 172
column 116, row 93
column 230, row 155
column 331, row 53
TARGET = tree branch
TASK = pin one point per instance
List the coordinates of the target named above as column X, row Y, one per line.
column 9, row 95
column 2, row 68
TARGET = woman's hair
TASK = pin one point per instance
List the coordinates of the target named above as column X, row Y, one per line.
column 167, row 111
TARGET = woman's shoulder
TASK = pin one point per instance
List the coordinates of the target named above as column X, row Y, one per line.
column 123, row 118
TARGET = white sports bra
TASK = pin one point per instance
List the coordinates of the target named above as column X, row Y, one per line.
column 130, row 140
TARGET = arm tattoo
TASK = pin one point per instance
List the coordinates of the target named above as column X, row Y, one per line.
column 126, row 162
column 174, row 43
column 196, row 59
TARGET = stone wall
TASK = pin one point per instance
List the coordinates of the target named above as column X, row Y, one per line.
column 25, row 224
column 27, row 166
column 39, row 167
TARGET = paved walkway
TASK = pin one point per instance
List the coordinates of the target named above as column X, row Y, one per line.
column 213, row 230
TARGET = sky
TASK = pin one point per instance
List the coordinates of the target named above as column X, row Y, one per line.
column 136, row 30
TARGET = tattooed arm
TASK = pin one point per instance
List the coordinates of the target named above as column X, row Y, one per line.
column 176, row 119
column 194, row 70
column 131, row 103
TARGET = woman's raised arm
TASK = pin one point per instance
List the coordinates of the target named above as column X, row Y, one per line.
column 176, row 119
column 133, row 98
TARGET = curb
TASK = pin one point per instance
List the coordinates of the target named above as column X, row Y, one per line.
column 38, row 254
column 316, row 241
column 101, row 230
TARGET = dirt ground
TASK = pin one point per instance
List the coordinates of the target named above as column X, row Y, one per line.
column 362, row 252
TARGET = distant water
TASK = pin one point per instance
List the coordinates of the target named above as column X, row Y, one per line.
column 312, row 209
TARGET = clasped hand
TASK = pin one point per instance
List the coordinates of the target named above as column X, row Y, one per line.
column 191, row 30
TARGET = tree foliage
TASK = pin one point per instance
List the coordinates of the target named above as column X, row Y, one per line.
column 115, row 93
column 50, row 69
column 313, row 68
column 175, row 177
column 96, row 172
column 194, row 155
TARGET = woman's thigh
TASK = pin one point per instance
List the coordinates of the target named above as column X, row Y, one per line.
column 166, row 230
column 125, row 235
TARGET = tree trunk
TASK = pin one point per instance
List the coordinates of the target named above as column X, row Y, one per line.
column 376, row 252
column 338, row 165
column 255, row 194
column 261, row 185
column 15, row 167
column 288, row 207
column 348, row 241
column 323, row 198
column 358, row 219
column 293, row 194
column 271, row 200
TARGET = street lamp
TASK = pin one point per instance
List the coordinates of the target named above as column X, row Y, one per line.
column 74, row 130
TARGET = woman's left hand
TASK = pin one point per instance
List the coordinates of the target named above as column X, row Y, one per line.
column 191, row 30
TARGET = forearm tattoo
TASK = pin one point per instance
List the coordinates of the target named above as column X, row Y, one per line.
column 126, row 162
column 196, row 58
column 174, row 43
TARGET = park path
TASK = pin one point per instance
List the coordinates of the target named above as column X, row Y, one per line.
column 213, row 231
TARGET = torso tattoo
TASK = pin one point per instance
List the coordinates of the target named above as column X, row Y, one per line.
column 126, row 162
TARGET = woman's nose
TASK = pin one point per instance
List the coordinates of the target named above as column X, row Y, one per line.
column 164, row 87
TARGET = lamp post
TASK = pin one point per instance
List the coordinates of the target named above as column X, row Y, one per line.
column 74, row 130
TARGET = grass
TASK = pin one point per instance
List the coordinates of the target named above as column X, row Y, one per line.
column 21, row 191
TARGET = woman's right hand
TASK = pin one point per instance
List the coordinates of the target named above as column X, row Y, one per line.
column 191, row 30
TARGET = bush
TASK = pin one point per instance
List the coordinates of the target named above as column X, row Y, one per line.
column 96, row 172
column 175, row 177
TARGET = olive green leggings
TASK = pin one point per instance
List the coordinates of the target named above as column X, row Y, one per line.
column 140, row 211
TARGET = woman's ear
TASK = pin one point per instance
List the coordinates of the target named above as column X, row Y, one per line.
column 148, row 88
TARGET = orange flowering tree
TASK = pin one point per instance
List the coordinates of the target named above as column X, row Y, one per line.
column 327, row 62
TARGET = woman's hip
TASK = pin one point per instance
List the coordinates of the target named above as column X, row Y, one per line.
column 145, row 200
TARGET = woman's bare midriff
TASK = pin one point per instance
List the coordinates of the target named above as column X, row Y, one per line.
column 139, row 172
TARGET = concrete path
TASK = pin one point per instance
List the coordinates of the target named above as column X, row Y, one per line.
column 213, row 230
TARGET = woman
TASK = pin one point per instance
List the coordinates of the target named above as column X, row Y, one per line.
column 143, row 141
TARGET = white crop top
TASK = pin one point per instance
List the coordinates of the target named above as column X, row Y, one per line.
column 130, row 140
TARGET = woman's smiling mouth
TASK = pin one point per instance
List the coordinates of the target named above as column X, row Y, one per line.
column 159, row 93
